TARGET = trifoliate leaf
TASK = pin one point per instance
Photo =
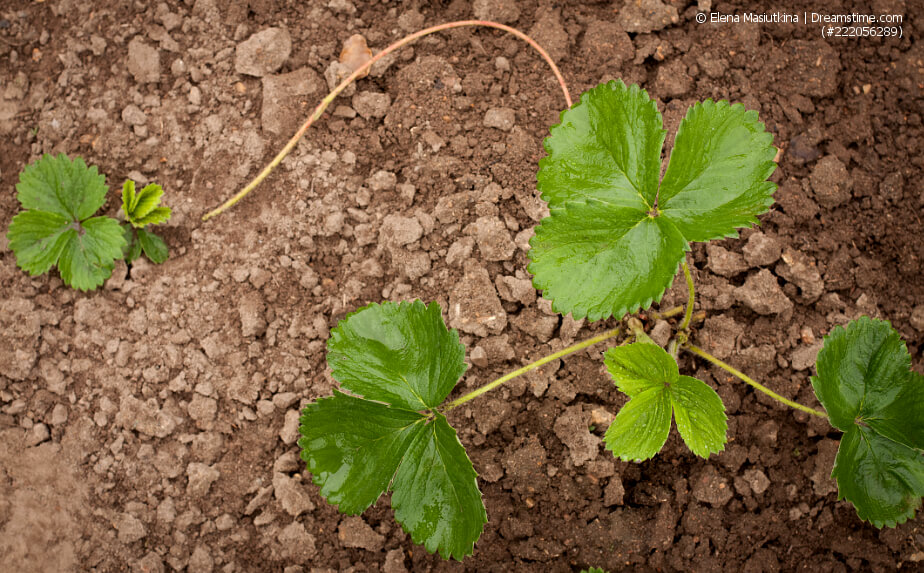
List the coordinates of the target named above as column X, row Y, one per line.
column 153, row 246
column 57, row 229
column 652, row 380
column 141, row 208
column 404, row 362
column 613, row 240
column 866, row 384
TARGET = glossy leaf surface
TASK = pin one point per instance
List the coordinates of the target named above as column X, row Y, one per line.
column 404, row 362
column 866, row 384
column 656, row 390
column 615, row 237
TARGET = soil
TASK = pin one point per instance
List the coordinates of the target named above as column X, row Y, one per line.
column 151, row 425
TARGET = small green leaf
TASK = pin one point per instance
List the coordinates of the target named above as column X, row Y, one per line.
column 613, row 240
column 641, row 427
column 404, row 361
column 400, row 354
column 89, row 256
column 155, row 217
column 699, row 415
column 593, row 570
column 652, row 380
column 62, row 186
column 128, row 197
column 153, row 246
column 716, row 178
column 866, row 384
column 147, row 200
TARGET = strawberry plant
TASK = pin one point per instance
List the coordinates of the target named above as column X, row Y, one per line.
column 615, row 238
column 140, row 210
column 57, row 227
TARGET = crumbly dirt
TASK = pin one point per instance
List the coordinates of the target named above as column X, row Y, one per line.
column 151, row 425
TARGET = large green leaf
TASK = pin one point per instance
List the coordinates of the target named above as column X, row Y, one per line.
column 400, row 354
column 89, row 256
column 404, row 362
column 651, row 379
column 613, row 240
column 716, row 178
column 62, row 186
column 154, row 247
column 866, row 384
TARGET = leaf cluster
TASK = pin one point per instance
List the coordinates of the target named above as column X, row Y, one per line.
column 59, row 227
column 142, row 209
column 616, row 233
column 400, row 362
column 866, row 384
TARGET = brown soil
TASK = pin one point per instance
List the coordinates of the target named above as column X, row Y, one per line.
column 151, row 425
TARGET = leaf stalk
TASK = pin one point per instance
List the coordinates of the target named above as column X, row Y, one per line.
column 531, row 366
column 748, row 380
column 360, row 72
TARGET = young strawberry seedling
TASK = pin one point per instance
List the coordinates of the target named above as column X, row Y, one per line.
column 613, row 242
column 60, row 197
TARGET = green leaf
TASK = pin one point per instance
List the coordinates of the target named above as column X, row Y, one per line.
column 866, row 384
column 89, row 256
column 884, row 480
column 437, row 499
column 596, row 260
column 699, row 415
column 613, row 240
column 38, row 238
column 404, row 362
column 62, row 186
column 353, row 447
column 141, row 208
column 641, row 427
column 593, row 570
column 607, row 147
column 60, row 195
column 716, row 178
column 652, row 380
column 154, row 217
column 132, row 248
column 400, row 354
column 154, row 247
column 128, row 197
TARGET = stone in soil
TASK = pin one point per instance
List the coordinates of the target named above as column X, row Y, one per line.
column 143, row 61
column 724, row 262
column 822, row 482
column 201, row 477
column 801, row 270
column 709, row 487
column 756, row 480
column 292, row 495
column 719, row 335
column 397, row 230
column 513, row 289
column 644, row 16
column 503, row 11
column 355, row 532
column 761, row 250
column 606, row 44
column 673, row 80
column 371, row 105
column 526, row 465
column 494, row 241
column 762, row 294
column 284, row 96
column 252, row 310
column 473, row 304
column 549, row 33
column 830, row 182
column 263, row 53
column 572, row 428
column 502, row 118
